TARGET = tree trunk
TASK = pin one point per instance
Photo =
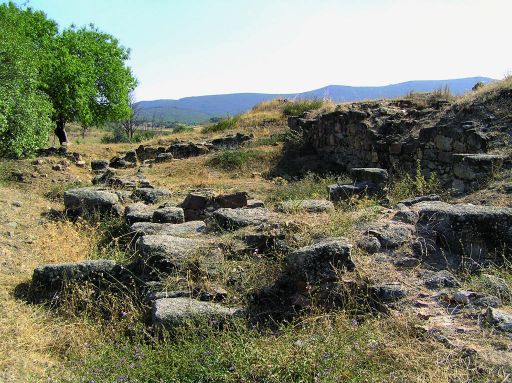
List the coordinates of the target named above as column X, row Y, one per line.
column 60, row 131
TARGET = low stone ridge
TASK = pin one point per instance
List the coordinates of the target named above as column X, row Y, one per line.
column 54, row 275
column 481, row 233
column 173, row 312
column 90, row 200
column 308, row 205
column 232, row 219
column 167, row 250
column 231, row 141
column 320, row 262
column 151, row 195
column 200, row 204
column 177, row 230
column 423, row 198
column 182, row 149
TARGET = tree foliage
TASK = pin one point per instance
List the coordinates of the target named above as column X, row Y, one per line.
column 48, row 78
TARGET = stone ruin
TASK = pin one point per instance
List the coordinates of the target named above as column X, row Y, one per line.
column 456, row 141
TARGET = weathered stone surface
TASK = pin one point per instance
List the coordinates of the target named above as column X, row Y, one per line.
column 163, row 157
column 497, row 286
column 138, row 212
column 502, row 320
column 479, row 232
column 320, row 262
column 253, row 203
column 407, row 262
column 90, row 200
column 54, row 275
column 344, row 192
column 190, row 228
column 232, row 219
column 173, row 312
column 406, row 215
column 169, row 214
column 370, row 244
column 99, row 164
column 151, row 195
column 391, row 235
column 167, row 249
column 377, row 176
column 121, row 163
column 307, row 205
column 388, row 292
column 233, row 200
column 198, row 200
column 442, row 279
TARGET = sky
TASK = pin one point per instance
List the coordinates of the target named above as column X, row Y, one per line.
column 185, row 48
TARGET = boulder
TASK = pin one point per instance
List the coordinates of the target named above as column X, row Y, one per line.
column 231, row 141
column 164, row 157
column 497, row 286
column 167, row 251
column 55, row 275
column 339, row 192
column 178, row 230
column 99, row 164
column 370, row 244
column 198, row 200
column 320, row 262
column 392, row 235
column 171, row 313
column 169, row 214
column 233, row 200
column 150, row 195
column 500, row 319
column 187, row 149
column 308, row 205
column 89, row 200
column 479, row 233
column 232, row 219
column 376, row 176
column 388, row 292
column 138, row 212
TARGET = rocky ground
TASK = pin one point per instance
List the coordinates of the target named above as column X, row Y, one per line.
column 127, row 242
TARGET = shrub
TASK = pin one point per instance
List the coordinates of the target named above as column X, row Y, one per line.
column 407, row 186
column 224, row 124
column 182, row 129
column 238, row 159
column 299, row 107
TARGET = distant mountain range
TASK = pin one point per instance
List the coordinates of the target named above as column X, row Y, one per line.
column 201, row 108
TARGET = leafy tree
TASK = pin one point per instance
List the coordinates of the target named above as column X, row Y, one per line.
column 46, row 76
column 86, row 79
column 25, row 111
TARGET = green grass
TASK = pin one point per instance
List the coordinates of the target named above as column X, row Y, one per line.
column 299, row 107
column 330, row 349
column 240, row 159
column 310, row 186
column 273, row 139
column 224, row 124
column 182, row 129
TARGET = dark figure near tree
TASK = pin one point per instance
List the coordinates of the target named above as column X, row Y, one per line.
column 60, row 132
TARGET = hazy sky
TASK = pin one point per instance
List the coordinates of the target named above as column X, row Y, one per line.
column 196, row 47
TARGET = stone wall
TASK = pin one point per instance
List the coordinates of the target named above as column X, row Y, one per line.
column 396, row 134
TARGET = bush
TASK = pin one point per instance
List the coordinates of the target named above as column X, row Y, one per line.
column 407, row 186
column 224, row 124
column 299, row 107
column 182, row 129
column 238, row 159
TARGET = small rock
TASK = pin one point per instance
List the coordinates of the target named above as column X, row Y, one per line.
column 502, row 320
column 391, row 236
column 80, row 164
column 232, row 219
column 17, row 204
column 407, row 262
column 406, row 216
column 487, row 301
column 321, row 261
column 138, row 212
column 388, row 292
column 370, row 244
column 99, row 164
column 463, row 297
column 442, row 279
column 415, row 200
column 169, row 214
column 173, row 312
column 150, row 195
column 253, row 203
